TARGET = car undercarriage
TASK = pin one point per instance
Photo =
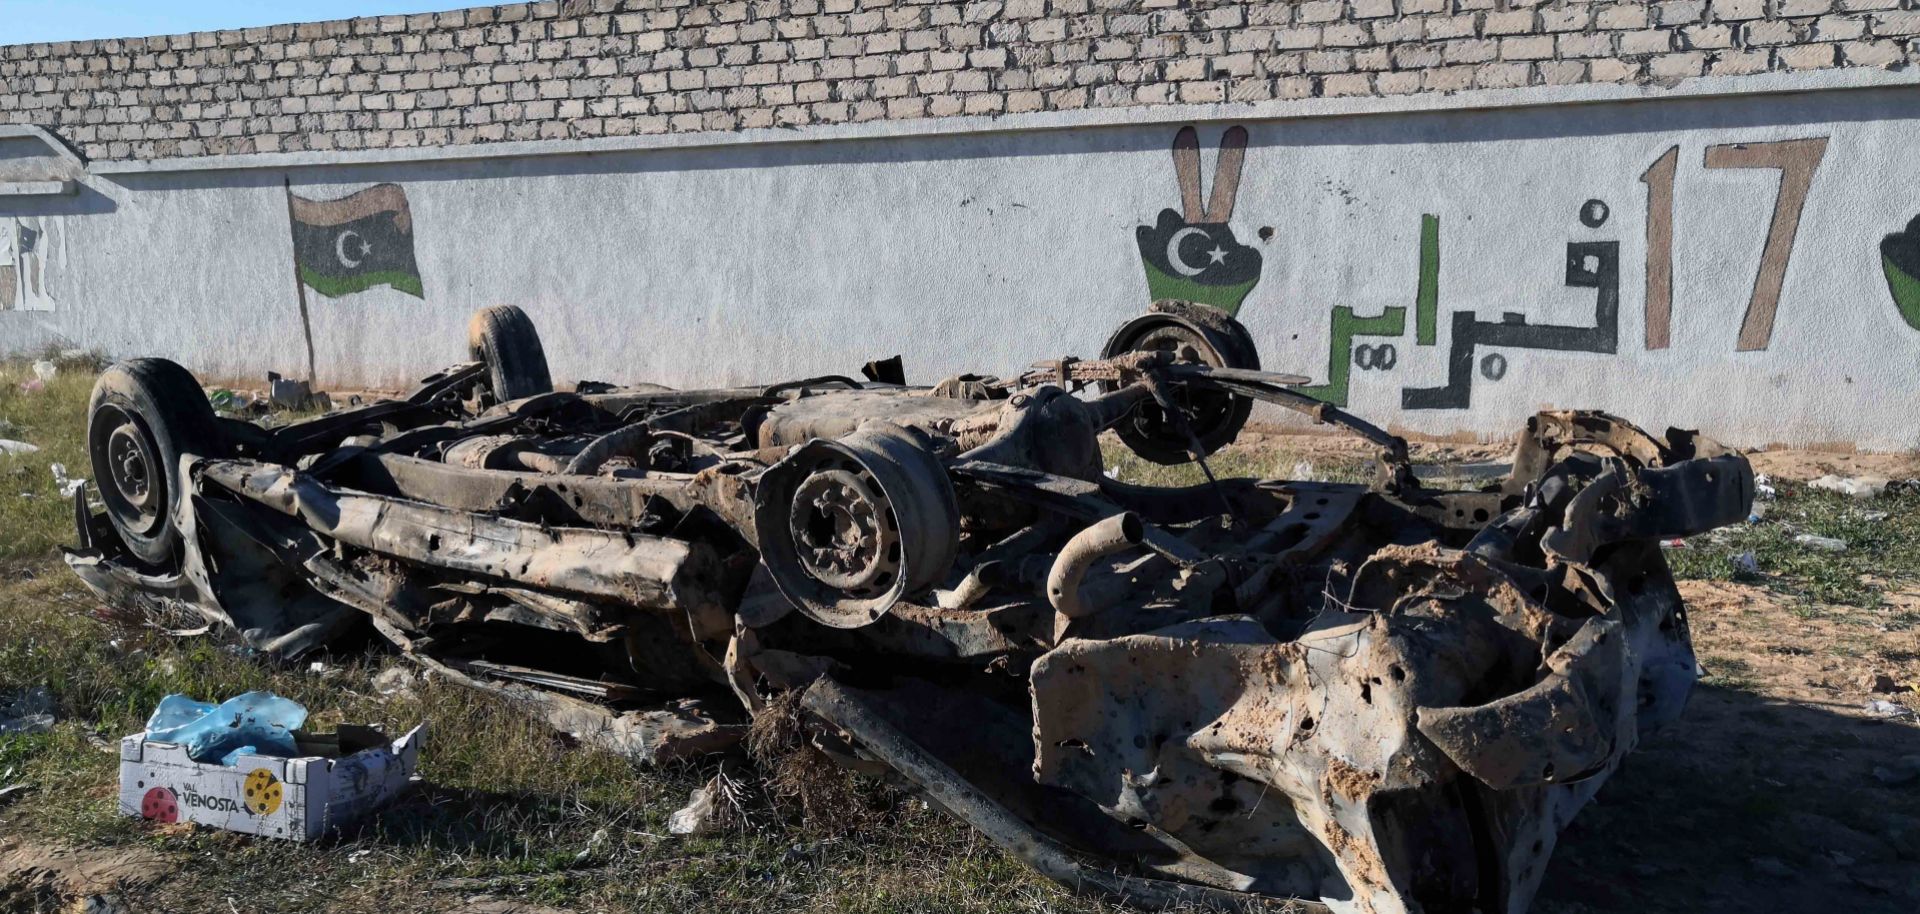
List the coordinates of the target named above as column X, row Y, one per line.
column 1377, row 697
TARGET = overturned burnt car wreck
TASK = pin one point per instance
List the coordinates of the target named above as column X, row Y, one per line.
column 1247, row 693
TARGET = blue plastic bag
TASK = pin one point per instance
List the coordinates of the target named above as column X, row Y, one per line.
column 257, row 723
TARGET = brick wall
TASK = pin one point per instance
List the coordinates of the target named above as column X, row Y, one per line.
column 590, row 68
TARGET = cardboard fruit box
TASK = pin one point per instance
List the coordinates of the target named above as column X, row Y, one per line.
column 337, row 778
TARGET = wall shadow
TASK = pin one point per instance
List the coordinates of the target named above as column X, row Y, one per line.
column 1748, row 804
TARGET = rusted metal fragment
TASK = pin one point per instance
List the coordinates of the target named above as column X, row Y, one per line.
column 682, row 729
column 872, row 733
column 1563, row 728
column 637, row 569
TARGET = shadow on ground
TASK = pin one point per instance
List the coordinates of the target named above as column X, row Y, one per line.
column 1749, row 804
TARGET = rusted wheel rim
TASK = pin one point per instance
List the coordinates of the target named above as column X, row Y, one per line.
column 135, row 488
column 844, row 530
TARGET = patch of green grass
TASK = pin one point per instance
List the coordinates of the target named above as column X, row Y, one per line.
column 1882, row 536
column 1727, row 673
column 33, row 517
column 1231, row 462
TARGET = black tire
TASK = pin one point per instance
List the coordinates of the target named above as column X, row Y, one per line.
column 503, row 338
column 1215, row 416
column 145, row 413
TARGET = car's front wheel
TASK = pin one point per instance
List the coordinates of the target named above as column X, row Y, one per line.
column 145, row 413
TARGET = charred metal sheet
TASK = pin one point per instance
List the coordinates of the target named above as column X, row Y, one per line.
column 872, row 733
column 641, row 570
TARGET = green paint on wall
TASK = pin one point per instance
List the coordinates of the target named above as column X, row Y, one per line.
column 336, row 286
column 1160, row 286
column 1905, row 289
column 1427, row 299
column 1391, row 322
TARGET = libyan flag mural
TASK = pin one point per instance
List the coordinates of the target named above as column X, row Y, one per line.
column 356, row 242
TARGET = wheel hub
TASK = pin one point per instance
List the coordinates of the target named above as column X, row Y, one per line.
column 840, row 530
column 132, row 466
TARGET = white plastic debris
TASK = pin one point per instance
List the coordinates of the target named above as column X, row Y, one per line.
column 1763, row 487
column 695, row 818
column 15, row 448
column 1304, row 471
column 45, row 370
column 66, row 484
column 394, row 682
column 1746, row 563
column 1857, row 486
column 28, row 712
column 1883, row 708
column 1822, row 543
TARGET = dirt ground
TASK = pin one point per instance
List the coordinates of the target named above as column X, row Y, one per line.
column 1764, row 796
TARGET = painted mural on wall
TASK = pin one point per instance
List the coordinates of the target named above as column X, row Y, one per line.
column 356, row 242
column 1192, row 254
column 31, row 254
column 1481, row 339
column 1900, row 261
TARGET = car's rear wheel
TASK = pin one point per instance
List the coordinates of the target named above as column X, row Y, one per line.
column 145, row 413
column 1215, row 417
column 503, row 338
column 851, row 526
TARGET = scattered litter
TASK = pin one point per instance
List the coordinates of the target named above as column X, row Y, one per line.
column 1900, row 486
column 32, row 386
column 1675, row 543
column 29, row 712
column 1888, row 710
column 338, row 777
column 1305, row 471
column 45, row 370
column 594, row 845
column 12, row 792
column 697, row 817
column 103, row 904
column 1763, row 488
column 1874, row 517
column 1857, row 486
column 286, row 393
column 1822, row 543
column 254, row 724
column 66, row 484
column 1746, row 563
column 11, row 447
column 394, row 682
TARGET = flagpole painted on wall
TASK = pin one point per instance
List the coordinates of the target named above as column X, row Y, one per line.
column 299, row 286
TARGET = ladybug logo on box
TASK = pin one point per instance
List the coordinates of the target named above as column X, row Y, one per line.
column 160, row 805
column 263, row 792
